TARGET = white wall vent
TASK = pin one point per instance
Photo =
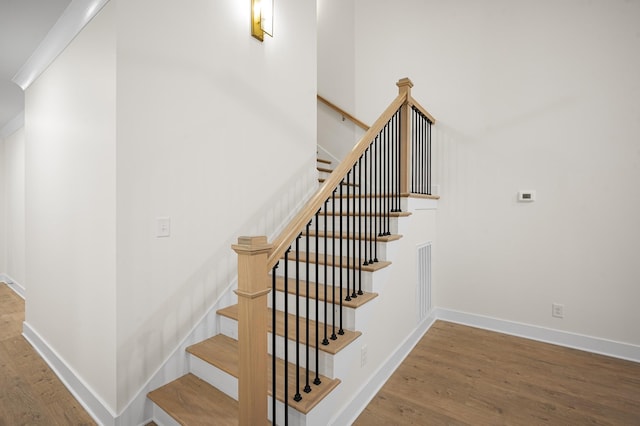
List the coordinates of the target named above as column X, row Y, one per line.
column 423, row 296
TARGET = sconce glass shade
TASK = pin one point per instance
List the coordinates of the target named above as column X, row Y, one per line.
column 261, row 18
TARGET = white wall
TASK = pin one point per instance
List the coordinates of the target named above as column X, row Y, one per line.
column 3, row 204
column 12, row 219
column 216, row 131
column 70, row 206
column 336, row 75
column 529, row 95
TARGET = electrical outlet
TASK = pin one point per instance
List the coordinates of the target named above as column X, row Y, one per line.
column 557, row 310
column 363, row 355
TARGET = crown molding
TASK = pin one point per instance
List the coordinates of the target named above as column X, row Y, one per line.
column 71, row 22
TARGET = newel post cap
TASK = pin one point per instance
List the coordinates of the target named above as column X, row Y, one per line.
column 404, row 82
column 252, row 245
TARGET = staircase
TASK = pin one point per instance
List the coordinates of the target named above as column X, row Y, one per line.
column 318, row 290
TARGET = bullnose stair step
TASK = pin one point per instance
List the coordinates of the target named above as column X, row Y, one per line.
column 355, row 302
column 322, row 160
column 324, row 169
column 222, row 352
column 333, row 347
column 193, row 402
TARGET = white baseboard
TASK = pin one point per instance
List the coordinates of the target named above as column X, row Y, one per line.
column 368, row 390
column 596, row 345
column 13, row 285
column 80, row 390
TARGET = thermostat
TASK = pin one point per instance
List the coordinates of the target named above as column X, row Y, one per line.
column 528, row 195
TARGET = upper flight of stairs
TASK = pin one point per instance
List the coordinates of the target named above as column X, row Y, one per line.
column 207, row 393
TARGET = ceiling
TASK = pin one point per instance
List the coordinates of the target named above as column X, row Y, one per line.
column 23, row 25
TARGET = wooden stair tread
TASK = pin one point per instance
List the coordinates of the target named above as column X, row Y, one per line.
column 322, row 160
column 403, row 195
column 324, row 169
column 193, row 402
column 219, row 350
column 344, row 213
column 333, row 347
column 321, row 180
column 222, row 352
column 335, row 261
column 352, row 236
column 355, row 302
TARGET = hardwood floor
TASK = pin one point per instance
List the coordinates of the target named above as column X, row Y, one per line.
column 456, row 375
column 459, row 375
column 30, row 393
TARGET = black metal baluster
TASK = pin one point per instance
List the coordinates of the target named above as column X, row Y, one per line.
column 342, row 241
column 340, row 269
column 377, row 199
column 392, row 162
column 364, row 235
column 307, row 387
column 387, row 196
column 399, row 159
column 429, row 159
column 372, row 195
column 421, row 155
column 325, row 341
column 273, row 345
column 414, row 150
column 286, row 333
column 333, row 254
column 316, row 380
column 297, row 396
column 360, row 230
column 353, row 240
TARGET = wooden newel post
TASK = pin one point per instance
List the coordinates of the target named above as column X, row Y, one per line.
column 404, row 86
column 252, row 328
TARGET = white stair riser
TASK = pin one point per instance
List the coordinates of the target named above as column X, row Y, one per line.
column 326, row 360
column 379, row 225
column 217, row 378
column 371, row 281
column 296, row 418
column 161, row 417
column 348, row 314
column 361, row 246
column 366, row 278
column 365, row 204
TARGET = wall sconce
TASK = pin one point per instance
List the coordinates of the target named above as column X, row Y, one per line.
column 261, row 18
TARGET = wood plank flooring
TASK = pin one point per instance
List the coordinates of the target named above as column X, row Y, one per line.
column 459, row 375
column 30, row 393
column 456, row 375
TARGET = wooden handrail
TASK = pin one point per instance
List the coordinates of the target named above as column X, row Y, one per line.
column 282, row 242
column 343, row 113
column 413, row 102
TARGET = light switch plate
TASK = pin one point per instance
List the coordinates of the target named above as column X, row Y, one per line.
column 163, row 227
